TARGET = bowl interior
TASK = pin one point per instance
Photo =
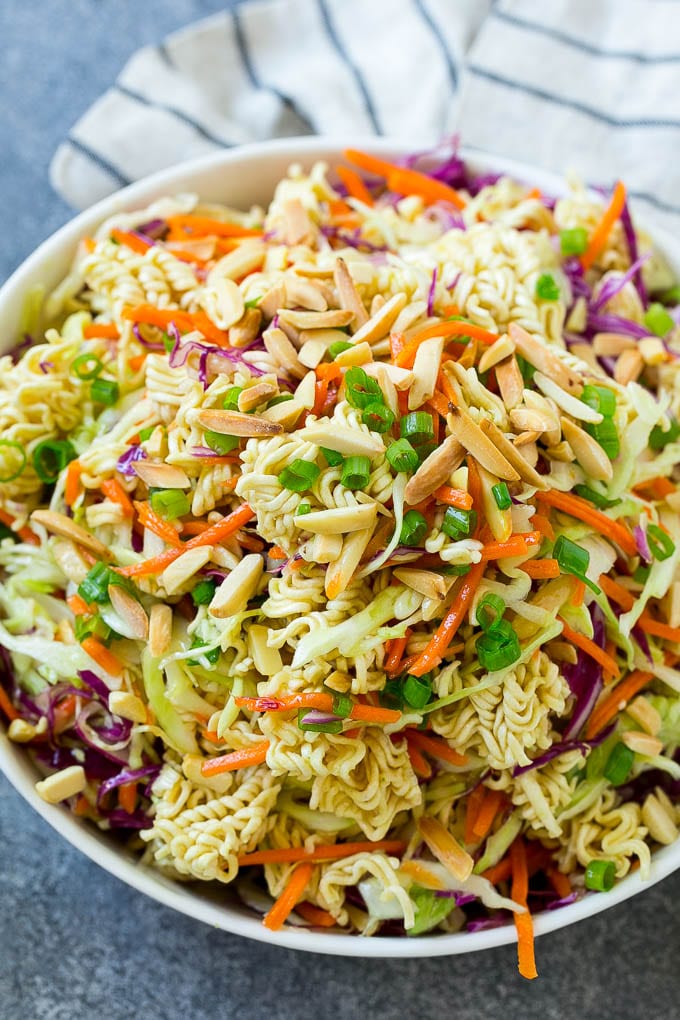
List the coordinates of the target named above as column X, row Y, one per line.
column 241, row 178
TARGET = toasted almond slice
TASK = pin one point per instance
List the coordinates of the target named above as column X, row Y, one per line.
column 304, row 294
column 326, row 548
column 578, row 316
column 331, row 319
column 381, row 320
column 539, row 354
column 69, row 559
column 529, row 420
column 642, row 743
column 607, row 345
column 425, row 582
column 184, row 567
column 233, row 423
column 62, row 785
column 337, row 681
column 283, row 351
column 409, row 315
column 343, row 439
column 377, row 302
column 498, row 351
column 468, row 433
column 160, row 629
column 500, row 521
column 22, row 732
column 260, row 393
column 586, row 354
column 314, row 272
column 357, row 354
column 673, row 605
column 469, row 356
column 445, row 848
column 588, row 452
column 513, row 456
column 272, row 300
column 286, row 414
column 240, row 262
column 305, row 392
column 629, row 366
column 267, row 660
column 658, row 818
column 652, row 350
column 60, row 524
column 562, row 651
column 510, row 382
column 434, row 471
column 131, row 612
column 237, row 588
column 223, row 302
column 324, row 336
column 246, row 329
column 401, row 377
column 127, row 706
column 348, row 294
column 341, row 571
column 560, row 451
column 297, row 224
column 525, row 438
column 572, row 405
column 340, row 520
column 161, row 476
column 644, row 714
column 389, row 390
column 311, row 353
column 425, row 371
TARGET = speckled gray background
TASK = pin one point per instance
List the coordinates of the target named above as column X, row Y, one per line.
column 76, row 944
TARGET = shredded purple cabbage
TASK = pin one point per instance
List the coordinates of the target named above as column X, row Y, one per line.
column 641, row 543
column 585, row 679
column 127, row 459
column 45, row 366
column 152, row 230
column 631, row 241
column 126, row 776
column 430, row 293
column 605, row 322
column 561, row 748
column 615, row 284
column 140, row 338
column 352, row 239
column 95, row 684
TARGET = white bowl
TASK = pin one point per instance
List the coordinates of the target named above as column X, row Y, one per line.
column 241, row 177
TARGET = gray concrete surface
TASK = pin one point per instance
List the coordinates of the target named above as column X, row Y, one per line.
column 75, row 943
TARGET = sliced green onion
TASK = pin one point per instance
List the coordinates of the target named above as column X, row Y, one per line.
column 640, row 574
column 498, row 648
column 573, row 559
column 299, row 476
column 337, row 347
column 6, row 532
column 170, row 503
column 458, row 523
column 333, row 458
column 19, row 455
column 342, row 704
column 391, row 696
column 455, row 569
column 600, row 876
column 619, row 763
column 501, row 495
column 600, row 399
column 401, row 456
column 660, row 544
column 417, row 427
column 378, row 417
column 81, row 369
column 546, row 288
column 145, row 434
column 94, row 587
column 658, row 439
column 573, row 241
column 92, row 626
column 203, row 593
column 601, row 502
column 211, row 654
column 281, row 399
column 671, row 296
column 253, row 303
column 51, row 457
column 658, row 320
column 360, row 389
column 527, row 369
column 490, row 609
column 303, row 508
column 105, row 391
column 230, row 401
column 356, row 472
column 413, row 528
column 168, row 343
column 606, row 435
column 333, row 726
column 220, row 443
column 417, row 691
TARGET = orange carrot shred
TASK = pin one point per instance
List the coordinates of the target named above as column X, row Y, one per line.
column 329, row 852
column 7, row 706
column 202, row 226
column 559, row 882
column 616, row 701
column 436, row 649
column 77, row 605
column 492, row 803
column 543, row 525
column 590, row 648
column 616, row 592
column 541, row 569
column 276, row 917
column 72, row 483
column 315, row 915
column 523, row 922
column 105, row 330
column 114, row 491
column 132, row 241
column 109, row 662
column 603, row 229
column 436, row 747
column 127, row 797
column 149, row 519
column 451, row 328
column 584, row 511
column 419, row 763
column 454, row 497
column 354, row 184
column 658, row 629
column 241, row 759
column 579, row 591
column 472, row 806
column 395, row 654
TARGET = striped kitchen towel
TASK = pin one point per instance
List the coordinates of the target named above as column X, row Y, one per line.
column 584, row 85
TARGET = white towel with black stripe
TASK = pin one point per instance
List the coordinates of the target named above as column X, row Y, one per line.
column 583, row 85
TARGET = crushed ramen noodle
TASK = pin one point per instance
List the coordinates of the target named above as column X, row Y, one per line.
column 341, row 545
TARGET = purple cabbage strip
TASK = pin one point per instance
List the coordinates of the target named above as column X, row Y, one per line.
column 614, row 285
column 563, row 902
column 315, row 717
column 16, row 352
column 127, row 459
column 461, row 898
column 631, row 241
column 153, row 230
column 486, row 923
column 561, row 748
column 352, row 239
column 641, row 543
column 585, row 679
column 605, row 322
column 126, row 776
column 430, row 293
column 119, row 819
column 139, row 337
column 95, row 684
column 45, row 366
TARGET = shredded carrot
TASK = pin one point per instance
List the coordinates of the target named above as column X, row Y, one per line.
column 523, row 922
column 489, row 808
column 405, row 181
column 446, row 631
column 603, row 229
column 277, row 553
column 473, row 804
column 77, row 605
column 610, row 649
column 584, row 511
column 578, row 591
column 615, row 702
column 72, row 483
column 105, row 330
column 211, row 735
column 201, row 322
column 499, row 872
column 328, row 370
column 159, row 317
column 81, row 806
column 114, row 491
column 241, row 759
column 315, row 915
column 320, row 394
column 436, row 747
column 534, row 193
column 616, row 592
column 451, row 328
column 395, row 653
column 419, row 763
column 213, row 535
column 127, row 797
column 275, row 918
column 132, row 241
column 250, row 542
column 134, row 364
column 7, row 706
column 149, row 519
column 202, row 226
column 658, row 488
column 89, row 243
column 329, row 852
column 541, row 569
column 590, row 648
column 109, row 662
column 354, row 184
column 559, row 882
column 375, row 714
column 658, row 629
column 439, row 403
column 516, row 545
column 543, row 525
column 454, row 497
column 396, row 344
column 195, row 527
column 320, row 701
column 25, row 534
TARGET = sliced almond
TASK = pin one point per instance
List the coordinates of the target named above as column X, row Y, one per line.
column 223, row 301
column 562, row 651
column 659, row 819
column 304, row 294
column 305, row 392
column 645, row 715
column 425, row 371
column 260, row 393
column 297, row 224
column 435, row 470
column 314, row 272
column 562, row 452
column 525, row 438
column 628, row 367
column 588, row 452
column 315, row 320
column 286, row 414
column 348, row 295
column 568, row 403
column 344, row 440
column 425, row 582
column 445, row 848
column 513, row 456
column 69, row 559
column 60, row 524
column 503, row 348
column 322, row 336
column 539, row 354
column 578, row 316
column 238, row 587
column 246, row 329
column 233, row 423
column 607, row 345
column 357, row 354
column 341, row 571
column 339, row 520
column 400, row 377
column 62, row 785
column 240, row 262
column 381, row 320
column 160, row 629
column 283, row 351
column 130, row 610
column 267, row 660
column 377, row 302
column 127, row 706
column 652, row 350
column 642, row 743
column 586, row 354
column 184, row 567
column 468, row 433
column 161, row 476
column 272, row 300
column 326, row 548
column 337, row 681
column 510, row 382
column 673, row 605
column 500, row 521
column 311, row 353
column 469, row 356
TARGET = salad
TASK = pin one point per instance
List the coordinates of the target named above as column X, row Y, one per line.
column 341, row 541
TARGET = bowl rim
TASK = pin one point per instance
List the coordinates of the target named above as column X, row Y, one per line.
column 17, row 766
